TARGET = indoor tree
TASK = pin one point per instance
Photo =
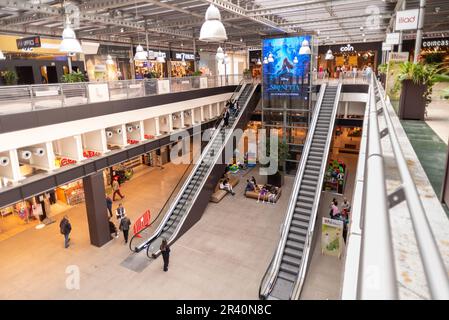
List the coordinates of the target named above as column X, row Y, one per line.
column 9, row 77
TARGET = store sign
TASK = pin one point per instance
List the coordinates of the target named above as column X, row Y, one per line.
column 141, row 223
column 30, row 42
column 407, row 20
column 398, row 56
column 393, row 38
column 100, row 68
column 90, row 153
column 187, row 56
column 347, row 48
column 435, row 43
column 386, row 47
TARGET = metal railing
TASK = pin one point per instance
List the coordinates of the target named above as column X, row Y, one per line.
column 372, row 243
column 347, row 77
column 24, row 98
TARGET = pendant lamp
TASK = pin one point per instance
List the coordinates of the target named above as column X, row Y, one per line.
column 295, row 60
column 213, row 29
column 140, row 55
column 329, row 55
column 265, row 60
column 2, row 56
column 220, row 54
column 69, row 42
column 183, row 63
column 160, row 58
column 270, row 58
column 258, row 62
column 226, row 59
column 109, row 59
column 305, row 49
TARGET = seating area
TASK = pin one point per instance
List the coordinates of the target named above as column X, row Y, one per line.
column 255, row 194
column 219, row 194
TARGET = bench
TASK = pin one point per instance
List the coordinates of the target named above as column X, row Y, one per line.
column 255, row 194
column 219, row 194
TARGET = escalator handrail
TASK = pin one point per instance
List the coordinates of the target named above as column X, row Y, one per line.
column 162, row 208
column 216, row 155
column 180, row 193
column 312, row 222
column 273, row 269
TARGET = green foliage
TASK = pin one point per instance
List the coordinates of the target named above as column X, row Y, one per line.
column 9, row 77
column 246, row 72
column 282, row 153
column 382, row 68
column 197, row 74
column 73, row 77
column 422, row 74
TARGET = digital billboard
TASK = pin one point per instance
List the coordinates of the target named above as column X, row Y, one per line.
column 285, row 71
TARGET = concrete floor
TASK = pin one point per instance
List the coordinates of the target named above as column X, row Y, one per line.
column 223, row 256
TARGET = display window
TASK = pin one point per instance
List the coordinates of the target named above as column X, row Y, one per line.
column 181, row 69
column 149, row 69
column 347, row 63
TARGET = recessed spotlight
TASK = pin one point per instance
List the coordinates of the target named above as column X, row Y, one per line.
column 122, row 30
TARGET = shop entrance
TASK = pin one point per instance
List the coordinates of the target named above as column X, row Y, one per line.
column 25, row 75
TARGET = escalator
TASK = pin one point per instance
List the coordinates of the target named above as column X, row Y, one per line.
column 186, row 209
column 284, row 277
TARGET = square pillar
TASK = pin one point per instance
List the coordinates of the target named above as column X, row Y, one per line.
column 211, row 113
column 97, row 212
column 192, row 115
column 170, row 123
column 202, row 114
column 182, row 119
column 156, row 125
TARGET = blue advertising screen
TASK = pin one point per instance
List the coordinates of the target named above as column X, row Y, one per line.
column 285, row 71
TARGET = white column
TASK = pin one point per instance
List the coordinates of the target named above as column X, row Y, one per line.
column 346, row 109
column 211, row 114
column 156, row 125
column 192, row 114
column 218, row 109
column 182, row 119
column 170, row 123
column 202, row 114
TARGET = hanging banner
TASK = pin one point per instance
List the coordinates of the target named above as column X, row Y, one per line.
column 332, row 237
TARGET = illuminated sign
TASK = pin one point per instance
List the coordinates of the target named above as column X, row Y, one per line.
column 30, row 42
column 347, row 48
column 435, row 43
column 187, row 56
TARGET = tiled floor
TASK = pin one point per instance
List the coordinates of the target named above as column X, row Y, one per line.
column 223, row 256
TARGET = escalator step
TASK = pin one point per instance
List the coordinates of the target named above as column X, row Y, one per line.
column 309, row 188
column 300, row 224
column 291, row 260
column 295, row 245
column 298, row 231
column 302, row 214
column 305, row 199
column 293, row 253
column 307, row 193
column 288, row 268
column 287, row 276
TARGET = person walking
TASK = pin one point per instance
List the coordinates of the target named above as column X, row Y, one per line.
column 113, row 228
column 165, row 250
column 120, row 212
column 226, row 118
column 116, row 188
column 124, row 226
column 65, row 228
column 109, row 205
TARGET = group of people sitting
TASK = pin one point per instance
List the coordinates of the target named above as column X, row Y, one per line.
column 268, row 192
column 225, row 185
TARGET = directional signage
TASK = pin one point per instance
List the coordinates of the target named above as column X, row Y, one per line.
column 386, row 47
column 392, row 38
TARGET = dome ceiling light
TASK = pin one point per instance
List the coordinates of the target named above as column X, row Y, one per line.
column 109, row 59
column 305, row 49
column 329, row 55
column 270, row 57
column 69, row 43
column 213, row 29
column 140, row 55
column 220, row 54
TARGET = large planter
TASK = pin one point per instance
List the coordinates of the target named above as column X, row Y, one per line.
column 412, row 104
column 276, row 179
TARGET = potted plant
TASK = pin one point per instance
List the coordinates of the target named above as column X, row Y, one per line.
column 247, row 74
column 196, row 82
column 9, row 77
column 281, row 154
column 416, row 81
column 73, row 77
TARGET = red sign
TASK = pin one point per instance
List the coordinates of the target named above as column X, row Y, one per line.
column 66, row 161
column 143, row 222
column 90, row 154
column 131, row 141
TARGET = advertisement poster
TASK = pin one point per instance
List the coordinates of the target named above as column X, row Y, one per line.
column 332, row 237
column 393, row 69
column 285, row 71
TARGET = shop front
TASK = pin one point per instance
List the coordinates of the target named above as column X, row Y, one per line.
column 349, row 58
column 433, row 50
column 109, row 63
column 152, row 68
column 255, row 63
column 35, row 62
column 182, row 64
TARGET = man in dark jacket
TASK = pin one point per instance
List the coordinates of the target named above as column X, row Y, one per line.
column 65, row 228
column 109, row 205
column 124, row 226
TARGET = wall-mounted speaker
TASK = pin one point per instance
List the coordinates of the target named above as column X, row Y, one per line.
column 109, row 134
column 25, row 154
column 129, row 129
column 40, row 152
column 4, row 161
column 136, row 127
column 118, row 131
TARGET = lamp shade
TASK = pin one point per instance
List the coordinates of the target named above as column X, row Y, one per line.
column 265, row 60
column 140, row 54
column 305, row 49
column 329, row 55
column 295, row 60
column 220, row 54
column 69, row 42
column 259, row 62
column 213, row 29
column 160, row 58
column 270, row 58
column 2, row 56
column 109, row 60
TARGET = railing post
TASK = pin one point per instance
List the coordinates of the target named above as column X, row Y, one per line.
column 30, row 89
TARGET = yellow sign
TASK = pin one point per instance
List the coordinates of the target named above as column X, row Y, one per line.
column 48, row 46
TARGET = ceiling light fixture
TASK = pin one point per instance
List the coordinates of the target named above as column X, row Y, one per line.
column 213, row 29
column 270, row 57
column 265, row 60
column 69, row 42
column 295, row 60
column 220, row 54
column 258, row 62
column 2, row 56
column 140, row 55
column 160, row 57
column 109, row 59
column 329, row 55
